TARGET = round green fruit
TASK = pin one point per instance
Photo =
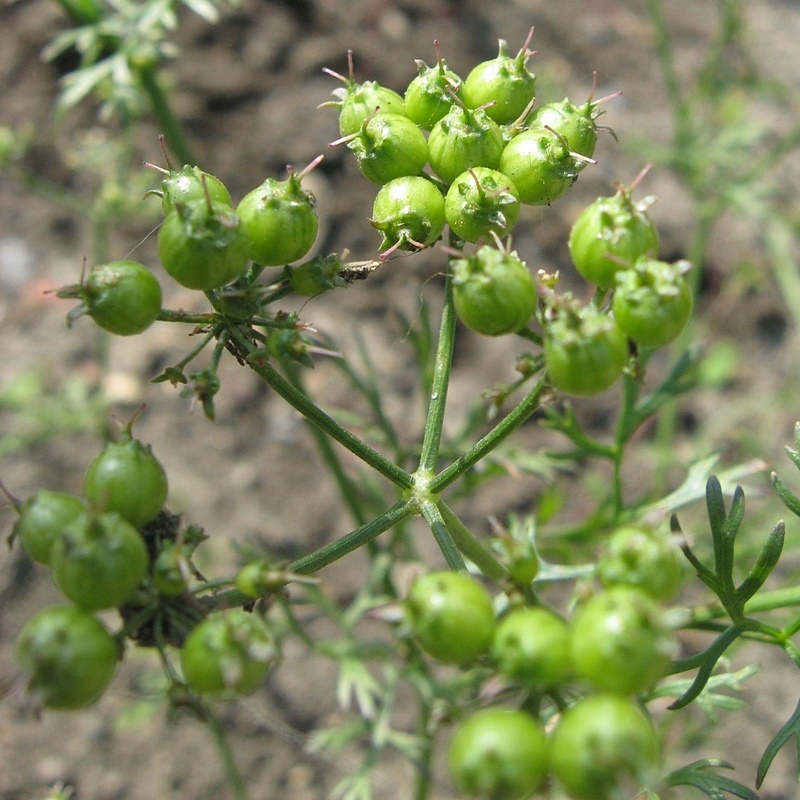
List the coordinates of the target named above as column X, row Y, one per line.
column 464, row 138
column 653, row 301
column 503, row 84
column 430, row 95
column 498, row 754
column 203, row 245
column 228, row 652
column 481, row 202
column 493, row 291
column 122, row 297
column 643, row 558
column 41, row 519
column 99, row 560
column 585, row 351
column 281, row 220
column 619, row 641
column 603, row 747
column 189, row 184
column 611, row 234
column 389, row 146
column 127, row 478
column 69, row 656
column 409, row 214
column 451, row 616
column 532, row 647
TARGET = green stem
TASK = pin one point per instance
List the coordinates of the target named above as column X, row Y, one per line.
column 235, row 780
column 352, row 541
column 527, row 406
column 788, row 597
column 441, row 379
column 333, row 463
column 531, row 336
column 168, row 315
column 472, row 547
column 318, row 417
column 626, row 427
column 442, row 535
column 168, row 122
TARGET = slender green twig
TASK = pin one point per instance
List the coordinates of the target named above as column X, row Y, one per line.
column 235, row 779
column 787, row 597
column 441, row 378
column 442, row 535
column 352, row 541
column 168, row 315
column 168, row 122
column 471, row 547
column 527, row 406
column 346, row 486
column 318, row 417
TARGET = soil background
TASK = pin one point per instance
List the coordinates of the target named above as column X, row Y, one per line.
column 248, row 89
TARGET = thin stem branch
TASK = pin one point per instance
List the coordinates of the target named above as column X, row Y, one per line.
column 515, row 418
column 332, row 461
column 235, row 779
column 318, row 417
column 787, row 597
column 441, row 379
column 352, row 541
column 472, row 547
column 442, row 535
column 170, row 125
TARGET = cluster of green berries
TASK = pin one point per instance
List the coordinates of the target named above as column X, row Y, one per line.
column 203, row 243
column 613, row 244
column 616, row 646
column 465, row 153
column 488, row 149
column 114, row 547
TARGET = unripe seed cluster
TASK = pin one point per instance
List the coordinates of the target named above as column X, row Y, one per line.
column 617, row 643
column 464, row 131
column 468, row 154
column 117, row 547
